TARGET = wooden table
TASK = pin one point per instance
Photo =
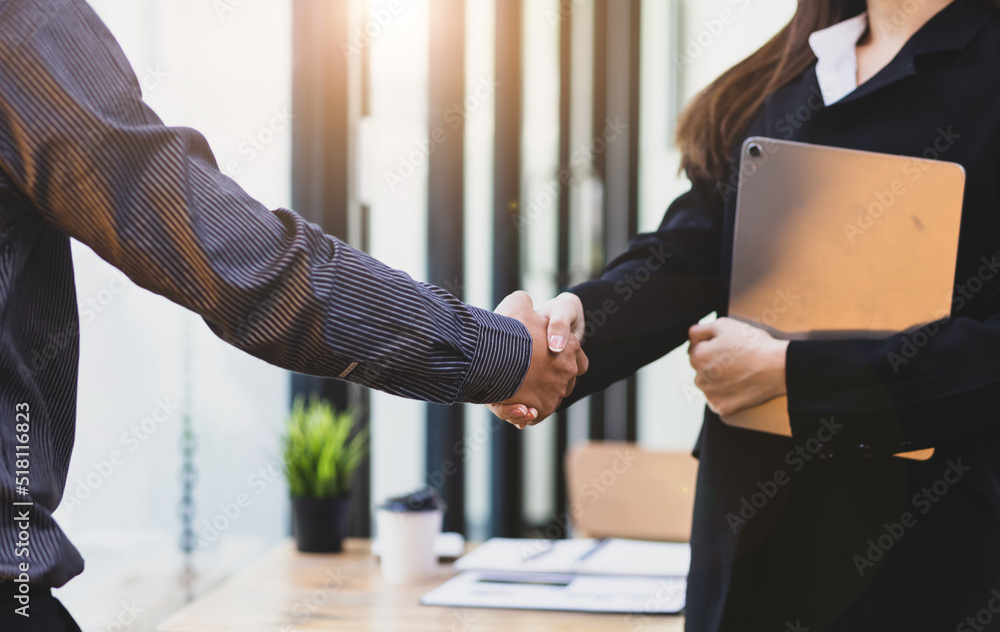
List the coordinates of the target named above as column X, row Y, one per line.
column 287, row 591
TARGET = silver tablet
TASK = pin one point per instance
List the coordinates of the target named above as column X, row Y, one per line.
column 837, row 243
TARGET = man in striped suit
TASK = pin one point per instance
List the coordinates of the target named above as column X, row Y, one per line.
column 81, row 156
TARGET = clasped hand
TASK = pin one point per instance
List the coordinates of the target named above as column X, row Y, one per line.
column 557, row 358
column 737, row 365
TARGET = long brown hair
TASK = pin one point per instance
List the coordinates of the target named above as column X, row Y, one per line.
column 712, row 124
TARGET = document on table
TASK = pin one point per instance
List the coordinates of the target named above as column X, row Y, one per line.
column 544, row 591
column 612, row 556
column 591, row 575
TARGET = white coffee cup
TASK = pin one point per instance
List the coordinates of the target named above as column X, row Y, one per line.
column 406, row 543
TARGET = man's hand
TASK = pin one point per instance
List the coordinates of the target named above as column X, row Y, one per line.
column 556, row 359
column 738, row 365
column 565, row 333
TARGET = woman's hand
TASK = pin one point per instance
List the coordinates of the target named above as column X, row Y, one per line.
column 738, row 365
column 565, row 314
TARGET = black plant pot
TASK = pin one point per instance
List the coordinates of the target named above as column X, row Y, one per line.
column 320, row 524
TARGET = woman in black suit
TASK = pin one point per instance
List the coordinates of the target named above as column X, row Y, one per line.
column 849, row 537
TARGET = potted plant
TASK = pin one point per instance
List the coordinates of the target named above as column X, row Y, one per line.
column 321, row 451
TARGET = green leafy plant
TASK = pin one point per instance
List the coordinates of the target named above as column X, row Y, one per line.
column 319, row 453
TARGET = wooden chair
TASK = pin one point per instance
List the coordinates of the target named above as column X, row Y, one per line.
column 620, row 490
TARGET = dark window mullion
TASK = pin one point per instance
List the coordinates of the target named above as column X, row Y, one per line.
column 507, row 468
column 445, row 235
column 320, row 177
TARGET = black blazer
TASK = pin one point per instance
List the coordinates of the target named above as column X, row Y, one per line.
column 826, row 530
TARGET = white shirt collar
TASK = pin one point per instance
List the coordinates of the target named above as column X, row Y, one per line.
column 836, row 53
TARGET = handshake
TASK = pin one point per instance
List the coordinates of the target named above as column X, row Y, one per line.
column 557, row 358
column 737, row 365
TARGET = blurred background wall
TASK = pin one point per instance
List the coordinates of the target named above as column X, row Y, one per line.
column 415, row 129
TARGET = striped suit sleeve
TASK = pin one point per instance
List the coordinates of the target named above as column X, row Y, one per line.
column 97, row 163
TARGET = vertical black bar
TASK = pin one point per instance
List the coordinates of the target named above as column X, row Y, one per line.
column 320, row 174
column 507, row 468
column 320, row 111
column 445, row 210
column 635, row 77
column 366, row 110
column 600, row 95
column 619, row 131
column 563, row 230
column 599, row 107
column 360, row 522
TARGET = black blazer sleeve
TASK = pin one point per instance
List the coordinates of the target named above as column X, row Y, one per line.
column 930, row 387
column 642, row 305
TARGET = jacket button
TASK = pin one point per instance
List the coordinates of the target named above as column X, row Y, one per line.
column 825, row 452
column 865, row 451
